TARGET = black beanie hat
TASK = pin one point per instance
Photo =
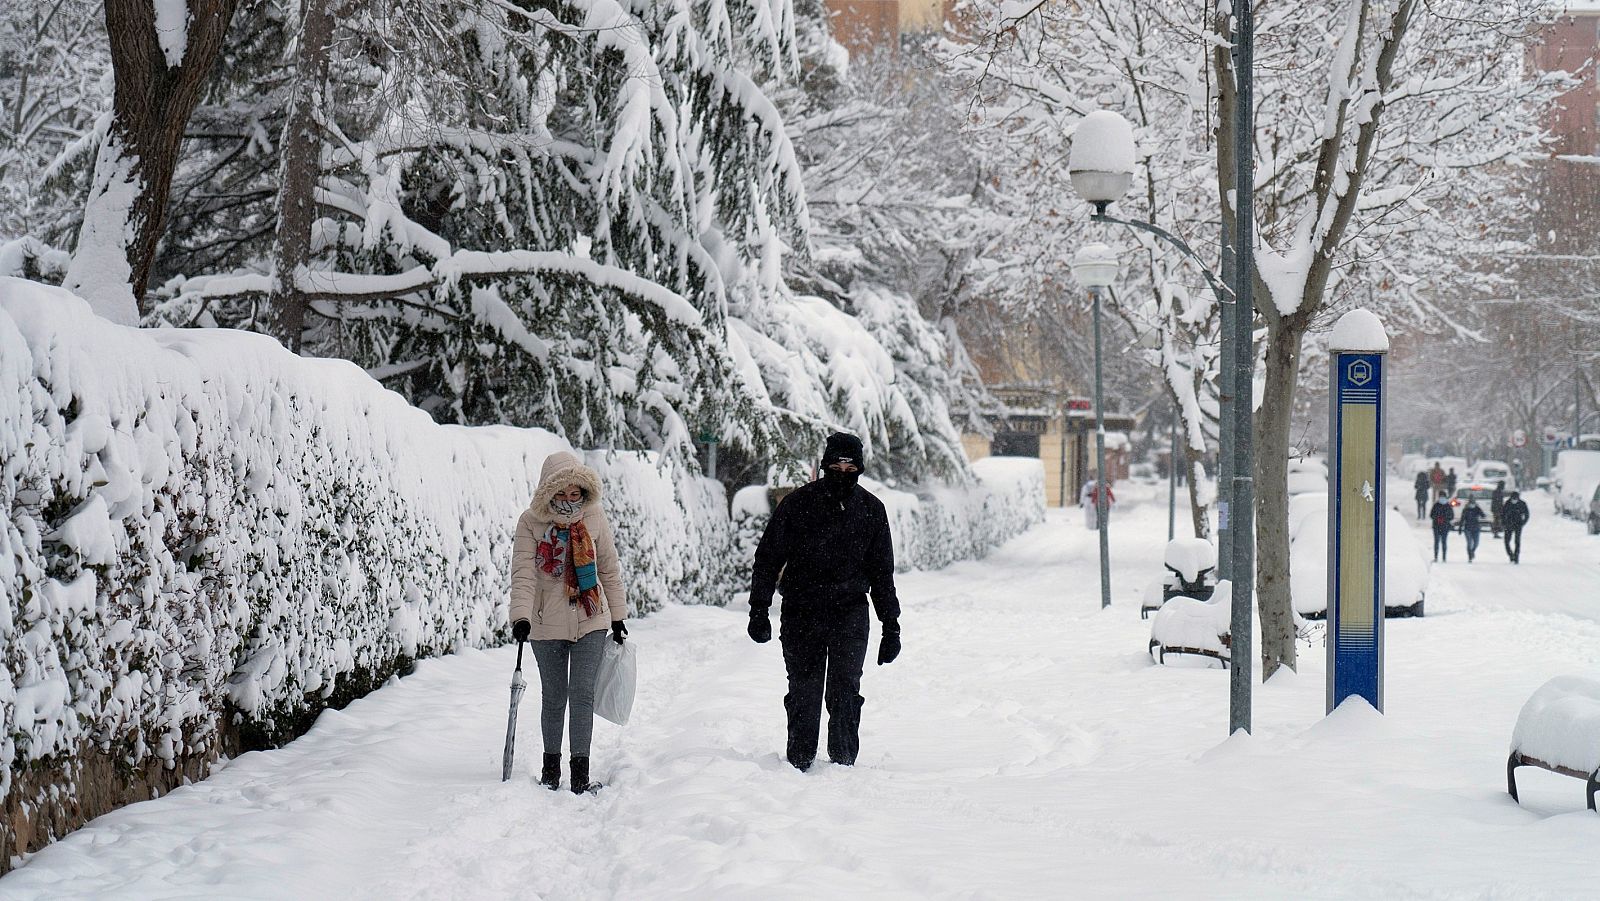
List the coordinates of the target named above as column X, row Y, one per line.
column 843, row 448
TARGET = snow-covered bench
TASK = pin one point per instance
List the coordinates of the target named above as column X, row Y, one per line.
column 1186, row 625
column 1559, row 730
column 1191, row 565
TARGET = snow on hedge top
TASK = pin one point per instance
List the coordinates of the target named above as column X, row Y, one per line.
column 1103, row 142
column 1359, row 330
column 1560, row 724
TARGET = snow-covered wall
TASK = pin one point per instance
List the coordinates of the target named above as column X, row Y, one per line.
column 207, row 540
column 933, row 527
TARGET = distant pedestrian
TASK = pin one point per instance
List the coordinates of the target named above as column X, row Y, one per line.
column 1512, row 518
column 566, row 592
column 826, row 546
column 1422, row 492
column 1450, row 482
column 1436, row 477
column 1497, row 504
column 1089, row 500
column 1471, row 523
column 1442, row 516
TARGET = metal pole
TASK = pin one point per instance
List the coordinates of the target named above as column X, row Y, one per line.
column 1101, row 486
column 1172, row 478
column 1225, row 369
column 1242, row 513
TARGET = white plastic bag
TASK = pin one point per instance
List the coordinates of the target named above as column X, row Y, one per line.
column 613, row 689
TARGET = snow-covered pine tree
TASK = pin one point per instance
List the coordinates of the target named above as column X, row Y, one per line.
column 573, row 215
column 896, row 219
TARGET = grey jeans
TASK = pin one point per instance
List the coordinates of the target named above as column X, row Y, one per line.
column 567, row 671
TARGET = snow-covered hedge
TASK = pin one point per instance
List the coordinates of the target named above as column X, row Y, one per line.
column 207, row 540
column 933, row 527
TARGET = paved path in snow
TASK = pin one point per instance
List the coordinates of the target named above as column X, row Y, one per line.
column 1024, row 746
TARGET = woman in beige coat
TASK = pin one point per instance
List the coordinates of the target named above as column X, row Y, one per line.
column 566, row 590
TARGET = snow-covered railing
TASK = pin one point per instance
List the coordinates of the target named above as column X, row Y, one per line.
column 1559, row 730
column 932, row 528
column 207, row 540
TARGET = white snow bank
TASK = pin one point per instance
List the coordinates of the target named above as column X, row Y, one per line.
column 1405, row 565
column 1560, row 724
column 200, row 525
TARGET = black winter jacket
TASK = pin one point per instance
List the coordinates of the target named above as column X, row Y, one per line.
column 1472, row 519
column 1514, row 515
column 826, row 550
column 1442, row 515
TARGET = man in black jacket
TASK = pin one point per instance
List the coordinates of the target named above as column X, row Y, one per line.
column 1442, row 515
column 829, row 541
column 1513, row 516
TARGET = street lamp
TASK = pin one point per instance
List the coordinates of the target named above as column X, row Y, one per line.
column 1102, row 153
column 1095, row 266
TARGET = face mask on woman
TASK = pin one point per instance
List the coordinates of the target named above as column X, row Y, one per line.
column 566, row 508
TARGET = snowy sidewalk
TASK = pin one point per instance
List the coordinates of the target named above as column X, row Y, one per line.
column 1023, row 746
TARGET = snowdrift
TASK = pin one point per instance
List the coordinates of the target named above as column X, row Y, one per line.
column 208, row 540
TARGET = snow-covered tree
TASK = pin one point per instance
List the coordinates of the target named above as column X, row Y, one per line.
column 1381, row 125
column 897, row 215
column 53, row 89
column 581, row 215
column 1379, row 122
column 163, row 53
column 1035, row 71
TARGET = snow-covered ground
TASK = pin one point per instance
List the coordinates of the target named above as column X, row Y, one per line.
column 1023, row 746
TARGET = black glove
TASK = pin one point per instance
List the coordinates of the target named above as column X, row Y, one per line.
column 889, row 645
column 760, row 628
column 521, row 629
column 619, row 631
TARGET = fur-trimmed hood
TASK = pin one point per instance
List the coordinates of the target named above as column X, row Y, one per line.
column 560, row 470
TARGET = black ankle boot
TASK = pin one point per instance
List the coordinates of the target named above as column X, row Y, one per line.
column 580, row 777
column 550, row 775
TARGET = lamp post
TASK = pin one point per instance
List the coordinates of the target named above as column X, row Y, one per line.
column 1101, row 168
column 1095, row 267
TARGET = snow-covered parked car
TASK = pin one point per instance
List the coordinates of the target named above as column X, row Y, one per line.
column 1491, row 471
column 1576, row 474
column 1405, row 563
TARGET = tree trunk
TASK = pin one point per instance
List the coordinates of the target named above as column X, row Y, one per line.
column 301, row 151
column 127, row 205
column 1273, row 423
column 1199, row 511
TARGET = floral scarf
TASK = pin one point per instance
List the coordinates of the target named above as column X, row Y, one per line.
column 568, row 551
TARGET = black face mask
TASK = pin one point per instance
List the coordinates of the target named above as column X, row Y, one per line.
column 840, row 483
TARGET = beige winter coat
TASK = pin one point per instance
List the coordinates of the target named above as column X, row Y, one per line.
column 541, row 598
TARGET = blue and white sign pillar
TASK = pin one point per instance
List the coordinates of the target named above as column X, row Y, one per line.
column 1355, row 509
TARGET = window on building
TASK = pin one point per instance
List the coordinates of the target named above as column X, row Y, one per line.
column 1015, row 444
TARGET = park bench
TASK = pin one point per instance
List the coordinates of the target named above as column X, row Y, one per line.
column 1191, row 565
column 1186, row 625
column 1559, row 730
